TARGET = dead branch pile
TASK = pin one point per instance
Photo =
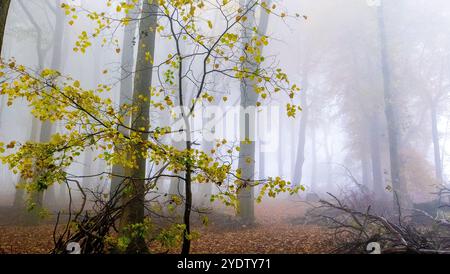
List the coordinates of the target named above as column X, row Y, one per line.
column 354, row 229
column 90, row 229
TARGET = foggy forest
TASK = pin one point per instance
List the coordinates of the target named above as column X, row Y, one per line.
column 224, row 126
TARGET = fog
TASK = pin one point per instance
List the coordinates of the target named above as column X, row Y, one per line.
column 374, row 82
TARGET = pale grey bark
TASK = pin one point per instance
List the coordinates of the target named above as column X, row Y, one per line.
column 365, row 166
column 47, row 127
column 401, row 197
column 88, row 182
column 375, row 156
column 329, row 160
column 247, row 153
column 133, row 210
column 313, row 160
column 262, row 161
column 37, row 198
column 248, row 100
column 436, row 148
column 281, row 141
column 300, row 155
column 126, row 89
column 42, row 131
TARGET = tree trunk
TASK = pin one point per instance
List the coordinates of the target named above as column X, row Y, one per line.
column 188, row 195
column 46, row 126
column 19, row 201
column 35, row 197
column 375, row 156
column 133, row 202
column 262, row 161
column 329, row 162
column 88, row 182
column 300, row 159
column 58, row 37
column 62, row 196
column 247, row 115
column 313, row 160
column 126, row 92
column 247, row 151
column 365, row 166
column 45, row 135
column 436, row 149
column 401, row 197
column 281, row 142
column 4, row 8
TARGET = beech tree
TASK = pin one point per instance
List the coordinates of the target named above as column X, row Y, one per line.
column 42, row 131
column 197, row 56
column 4, row 9
column 126, row 80
column 401, row 197
column 249, row 99
column 133, row 199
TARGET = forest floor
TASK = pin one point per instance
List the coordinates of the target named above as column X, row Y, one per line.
column 274, row 232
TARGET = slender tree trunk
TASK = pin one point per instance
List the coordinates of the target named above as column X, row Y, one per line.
column 262, row 161
column 46, row 126
column 300, row 158
column 176, row 186
column 32, row 216
column 45, row 135
column 126, row 92
column 401, row 197
column 185, row 114
column 375, row 156
column 133, row 202
column 313, row 160
column 188, row 195
column 293, row 151
column 4, row 8
column 329, row 162
column 62, row 197
column 365, row 166
column 36, row 197
column 281, row 146
column 19, row 202
column 436, row 149
column 88, row 182
column 58, row 37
